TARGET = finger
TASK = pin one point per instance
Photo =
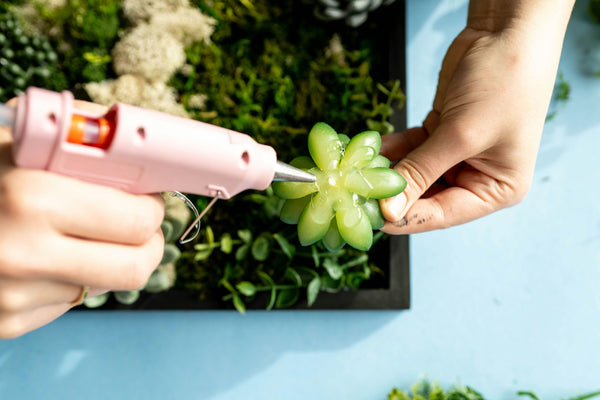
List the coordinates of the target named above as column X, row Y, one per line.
column 449, row 207
column 421, row 168
column 19, row 295
column 83, row 262
column 15, row 324
column 81, row 209
column 396, row 146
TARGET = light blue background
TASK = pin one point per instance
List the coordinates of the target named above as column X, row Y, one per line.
column 509, row 302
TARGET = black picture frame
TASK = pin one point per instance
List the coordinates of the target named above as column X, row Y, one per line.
column 390, row 254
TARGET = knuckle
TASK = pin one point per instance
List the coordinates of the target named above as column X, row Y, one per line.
column 12, row 300
column 143, row 264
column 145, row 221
column 416, row 175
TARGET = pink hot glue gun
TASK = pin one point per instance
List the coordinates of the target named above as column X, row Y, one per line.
column 139, row 150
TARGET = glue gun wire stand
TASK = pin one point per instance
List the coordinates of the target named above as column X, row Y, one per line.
column 139, row 150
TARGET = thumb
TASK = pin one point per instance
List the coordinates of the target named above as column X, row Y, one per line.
column 421, row 168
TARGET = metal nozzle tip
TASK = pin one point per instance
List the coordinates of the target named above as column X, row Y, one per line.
column 285, row 172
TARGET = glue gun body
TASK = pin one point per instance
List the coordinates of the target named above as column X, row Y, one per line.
column 138, row 150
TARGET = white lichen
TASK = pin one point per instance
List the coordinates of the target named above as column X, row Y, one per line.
column 148, row 52
column 138, row 11
column 137, row 91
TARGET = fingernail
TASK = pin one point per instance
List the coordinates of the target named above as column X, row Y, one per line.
column 394, row 207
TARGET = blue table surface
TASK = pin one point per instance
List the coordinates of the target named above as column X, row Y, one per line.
column 505, row 303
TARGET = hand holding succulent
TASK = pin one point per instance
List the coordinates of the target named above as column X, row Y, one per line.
column 341, row 206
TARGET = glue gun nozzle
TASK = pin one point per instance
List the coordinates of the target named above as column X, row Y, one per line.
column 285, row 172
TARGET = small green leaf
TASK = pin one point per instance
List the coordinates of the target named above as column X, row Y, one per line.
column 269, row 282
column 287, row 297
column 167, row 230
column 312, row 290
column 288, row 249
column 171, row 254
column 245, row 235
column 210, row 235
column 242, row 252
column 202, row 255
column 96, row 301
column 332, row 267
column 226, row 243
column 261, row 248
column 246, row 288
column 238, row 303
column 127, row 297
column 315, row 256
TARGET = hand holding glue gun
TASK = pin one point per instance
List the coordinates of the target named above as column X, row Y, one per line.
column 63, row 239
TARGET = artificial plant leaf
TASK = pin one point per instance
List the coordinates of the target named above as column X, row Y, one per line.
column 246, row 288
column 344, row 139
column 361, row 150
column 333, row 240
column 294, row 190
column 303, row 162
column 379, row 161
column 292, row 209
column 288, row 249
column 376, row 183
column 315, row 219
column 372, row 210
column 261, row 248
column 312, row 290
column 324, row 146
column 355, row 227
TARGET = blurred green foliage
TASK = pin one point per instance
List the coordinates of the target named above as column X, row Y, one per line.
column 25, row 59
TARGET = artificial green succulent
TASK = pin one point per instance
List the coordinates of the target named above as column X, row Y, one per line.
column 341, row 206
